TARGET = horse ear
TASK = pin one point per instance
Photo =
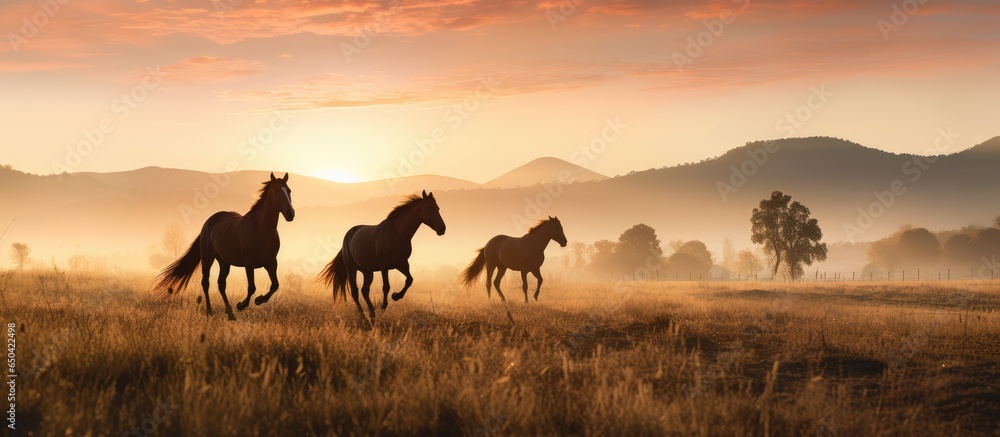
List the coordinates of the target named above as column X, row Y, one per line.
column 285, row 179
column 272, row 177
column 425, row 194
column 550, row 217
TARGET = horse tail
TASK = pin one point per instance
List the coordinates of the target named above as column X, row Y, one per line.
column 335, row 274
column 175, row 277
column 474, row 269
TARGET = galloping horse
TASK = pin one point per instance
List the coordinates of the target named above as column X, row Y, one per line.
column 382, row 247
column 249, row 241
column 524, row 254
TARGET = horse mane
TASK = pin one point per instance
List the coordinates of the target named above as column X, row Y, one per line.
column 538, row 225
column 259, row 203
column 407, row 203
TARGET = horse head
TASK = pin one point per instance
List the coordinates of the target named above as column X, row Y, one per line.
column 554, row 231
column 280, row 196
column 430, row 213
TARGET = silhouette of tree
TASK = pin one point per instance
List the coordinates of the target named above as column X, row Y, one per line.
column 638, row 247
column 685, row 263
column 578, row 255
column 918, row 246
column 747, row 263
column 602, row 256
column 885, row 252
column 956, row 250
column 787, row 233
column 173, row 241
column 985, row 245
column 728, row 254
column 996, row 221
column 19, row 253
column 698, row 250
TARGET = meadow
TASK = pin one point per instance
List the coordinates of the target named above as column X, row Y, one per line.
column 98, row 355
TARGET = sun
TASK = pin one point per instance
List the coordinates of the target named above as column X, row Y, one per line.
column 340, row 175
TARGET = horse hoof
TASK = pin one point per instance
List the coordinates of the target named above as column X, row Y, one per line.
column 231, row 317
column 240, row 306
column 396, row 297
column 260, row 300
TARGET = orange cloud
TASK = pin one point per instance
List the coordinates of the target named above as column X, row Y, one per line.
column 202, row 69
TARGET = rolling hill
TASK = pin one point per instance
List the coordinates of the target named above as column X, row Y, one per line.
column 543, row 170
column 849, row 188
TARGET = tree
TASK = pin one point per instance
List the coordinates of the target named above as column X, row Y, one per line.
column 639, row 247
column 918, row 246
column 956, row 250
column 19, row 253
column 996, row 222
column 698, row 250
column 885, row 252
column 985, row 246
column 173, row 241
column 685, row 263
column 787, row 233
column 578, row 255
column 728, row 254
column 747, row 263
column 602, row 256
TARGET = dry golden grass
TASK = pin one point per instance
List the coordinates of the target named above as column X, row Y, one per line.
column 99, row 356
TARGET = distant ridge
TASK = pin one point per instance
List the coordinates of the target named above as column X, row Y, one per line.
column 543, row 170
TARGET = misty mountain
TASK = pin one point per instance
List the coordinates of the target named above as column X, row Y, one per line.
column 543, row 170
column 857, row 193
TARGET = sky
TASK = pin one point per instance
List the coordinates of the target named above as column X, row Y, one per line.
column 362, row 90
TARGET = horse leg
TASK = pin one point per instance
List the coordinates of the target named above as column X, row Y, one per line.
column 538, row 276
column 405, row 270
column 385, row 289
column 251, row 288
column 223, row 273
column 501, row 270
column 206, row 270
column 366, row 288
column 524, row 284
column 352, row 279
column 489, row 280
column 272, row 273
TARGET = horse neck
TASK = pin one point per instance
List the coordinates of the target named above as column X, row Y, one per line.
column 537, row 240
column 263, row 217
column 407, row 223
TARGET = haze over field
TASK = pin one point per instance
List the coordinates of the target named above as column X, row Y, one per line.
column 859, row 194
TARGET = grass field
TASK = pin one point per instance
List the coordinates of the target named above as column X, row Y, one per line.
column 97, row 355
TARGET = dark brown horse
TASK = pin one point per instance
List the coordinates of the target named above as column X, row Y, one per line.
column 524, row 254
column 380, row 248
column 249, row 241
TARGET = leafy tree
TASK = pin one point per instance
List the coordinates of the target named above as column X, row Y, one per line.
column 685, row 263
column 638, row 247
column 173, row 241
column 602, row 256
column 728, row 254
column 747, row 263
column 996, row 222
column 19, row 253
column 787, row 233
column 985, row 245
column 698, row 250
column 918, row 246
column 956, row 249
column 884, row 252
column 578, row 255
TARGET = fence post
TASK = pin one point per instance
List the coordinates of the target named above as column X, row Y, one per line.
column 904, row 275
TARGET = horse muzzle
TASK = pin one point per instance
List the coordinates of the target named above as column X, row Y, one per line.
column 440, row 232
column 289, row 216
